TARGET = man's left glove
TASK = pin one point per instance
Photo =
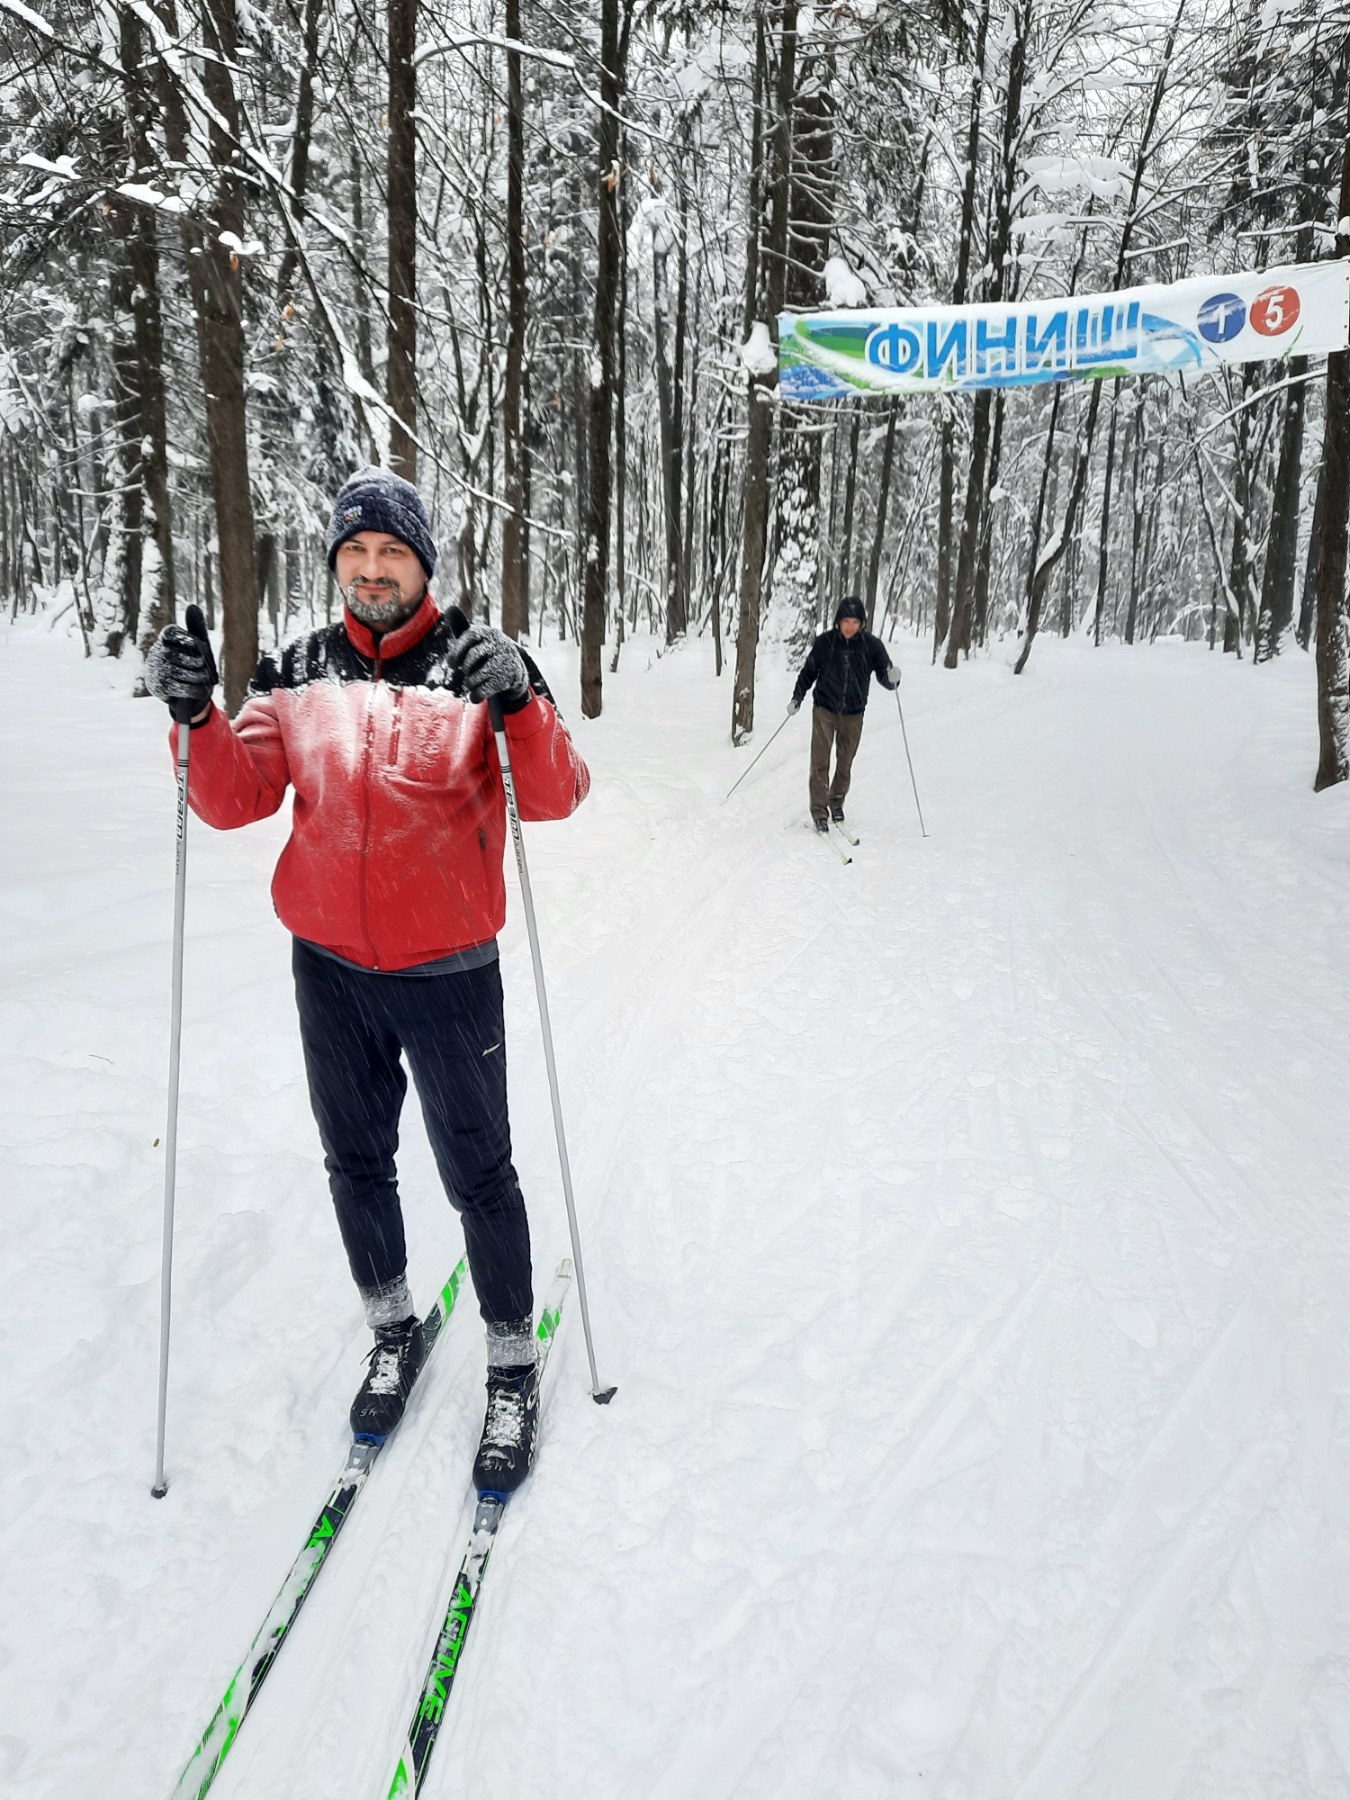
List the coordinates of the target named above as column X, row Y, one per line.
column 180, row 669
column 892, row 676
column 488, row 666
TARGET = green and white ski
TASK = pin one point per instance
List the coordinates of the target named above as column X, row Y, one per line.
column 205, row 1762
column 424, row 1727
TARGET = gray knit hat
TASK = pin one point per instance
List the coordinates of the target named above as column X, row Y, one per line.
column 376, row 500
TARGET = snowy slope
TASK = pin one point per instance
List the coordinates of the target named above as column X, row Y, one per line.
column 966, row 1231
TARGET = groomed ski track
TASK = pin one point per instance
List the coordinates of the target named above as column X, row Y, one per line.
column 966, row 1231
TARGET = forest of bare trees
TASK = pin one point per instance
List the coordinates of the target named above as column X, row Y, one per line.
column 519, row 252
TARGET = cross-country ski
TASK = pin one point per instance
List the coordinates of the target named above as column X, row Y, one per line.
column 428, row 1717
column 205, row 1762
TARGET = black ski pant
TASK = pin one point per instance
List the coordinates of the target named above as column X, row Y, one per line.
column 840, row 732
column 354, row 1024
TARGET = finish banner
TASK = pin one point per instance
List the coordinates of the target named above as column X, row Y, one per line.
column 1187, row 328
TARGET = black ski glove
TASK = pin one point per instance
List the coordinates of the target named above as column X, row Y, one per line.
column 488, row 666
column 180, row 669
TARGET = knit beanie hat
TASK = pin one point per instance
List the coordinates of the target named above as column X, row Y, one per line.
column 851, row 607
column 376, row 500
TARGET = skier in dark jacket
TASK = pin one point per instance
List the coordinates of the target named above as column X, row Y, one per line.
column 391, row 884
column 840, row 666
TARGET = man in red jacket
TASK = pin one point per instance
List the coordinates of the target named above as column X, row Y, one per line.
column 391, row 884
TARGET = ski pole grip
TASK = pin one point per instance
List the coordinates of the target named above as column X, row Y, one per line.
column 496, row 716
column 181, row 711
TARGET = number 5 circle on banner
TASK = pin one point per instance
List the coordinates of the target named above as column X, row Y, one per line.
column 1275, row 311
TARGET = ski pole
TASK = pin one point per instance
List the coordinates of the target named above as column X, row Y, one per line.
column 182, row 714
column 910, row 760
column 740, row 778
column 601, row 1396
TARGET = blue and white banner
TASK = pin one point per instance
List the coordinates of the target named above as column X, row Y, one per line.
column 1187, row 328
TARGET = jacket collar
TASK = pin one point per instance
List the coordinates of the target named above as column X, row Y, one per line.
column 392, row 643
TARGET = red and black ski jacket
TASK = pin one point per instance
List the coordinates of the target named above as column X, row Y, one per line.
column 399, row 822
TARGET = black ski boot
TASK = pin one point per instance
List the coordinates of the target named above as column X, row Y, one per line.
column 821, row 825
column 837, row 811
column 395, row 1363
column 509, row 1430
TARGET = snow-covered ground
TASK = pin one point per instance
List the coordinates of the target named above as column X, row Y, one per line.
column 967, row 1234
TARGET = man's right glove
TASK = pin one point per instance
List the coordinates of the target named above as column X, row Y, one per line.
column 794, row 706
column 892, row 676
column 488, row 666
column 180, row 669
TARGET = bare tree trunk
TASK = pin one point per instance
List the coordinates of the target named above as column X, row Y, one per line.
column 1333, row 617
column 957, row 632
column 1136, row 461
column 526, row 501
column 984, row 560
column 1052, row 556
column 883, row 504
column 755, row 207
column 147, row 459
column 681, row 420
column 216, row 280
column 850, row 495
column 1280, row 573
column 942, row 610
column 304, row 131
column 810, row 219
column 129, row 514
column 1239, row 568
column 760, row 394
column 621, row 432
column 401, row 375
column 1307, row 612
column 691, row 451
column 579, row 364
column 516, row 302
column 600, row 414
column 365, row 347
column 1104, row 534
column 673, row 587
column 716, row 541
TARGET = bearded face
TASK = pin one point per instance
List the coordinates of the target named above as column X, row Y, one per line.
column 381, row 579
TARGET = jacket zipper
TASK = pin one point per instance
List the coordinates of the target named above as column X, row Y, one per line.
column 366, row 811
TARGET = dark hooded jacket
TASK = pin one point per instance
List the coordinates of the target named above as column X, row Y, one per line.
column 841, row 668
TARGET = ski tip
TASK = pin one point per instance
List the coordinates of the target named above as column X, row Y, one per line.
column 605, row 1395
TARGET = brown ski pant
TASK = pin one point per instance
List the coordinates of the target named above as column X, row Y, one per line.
column 842, row 730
